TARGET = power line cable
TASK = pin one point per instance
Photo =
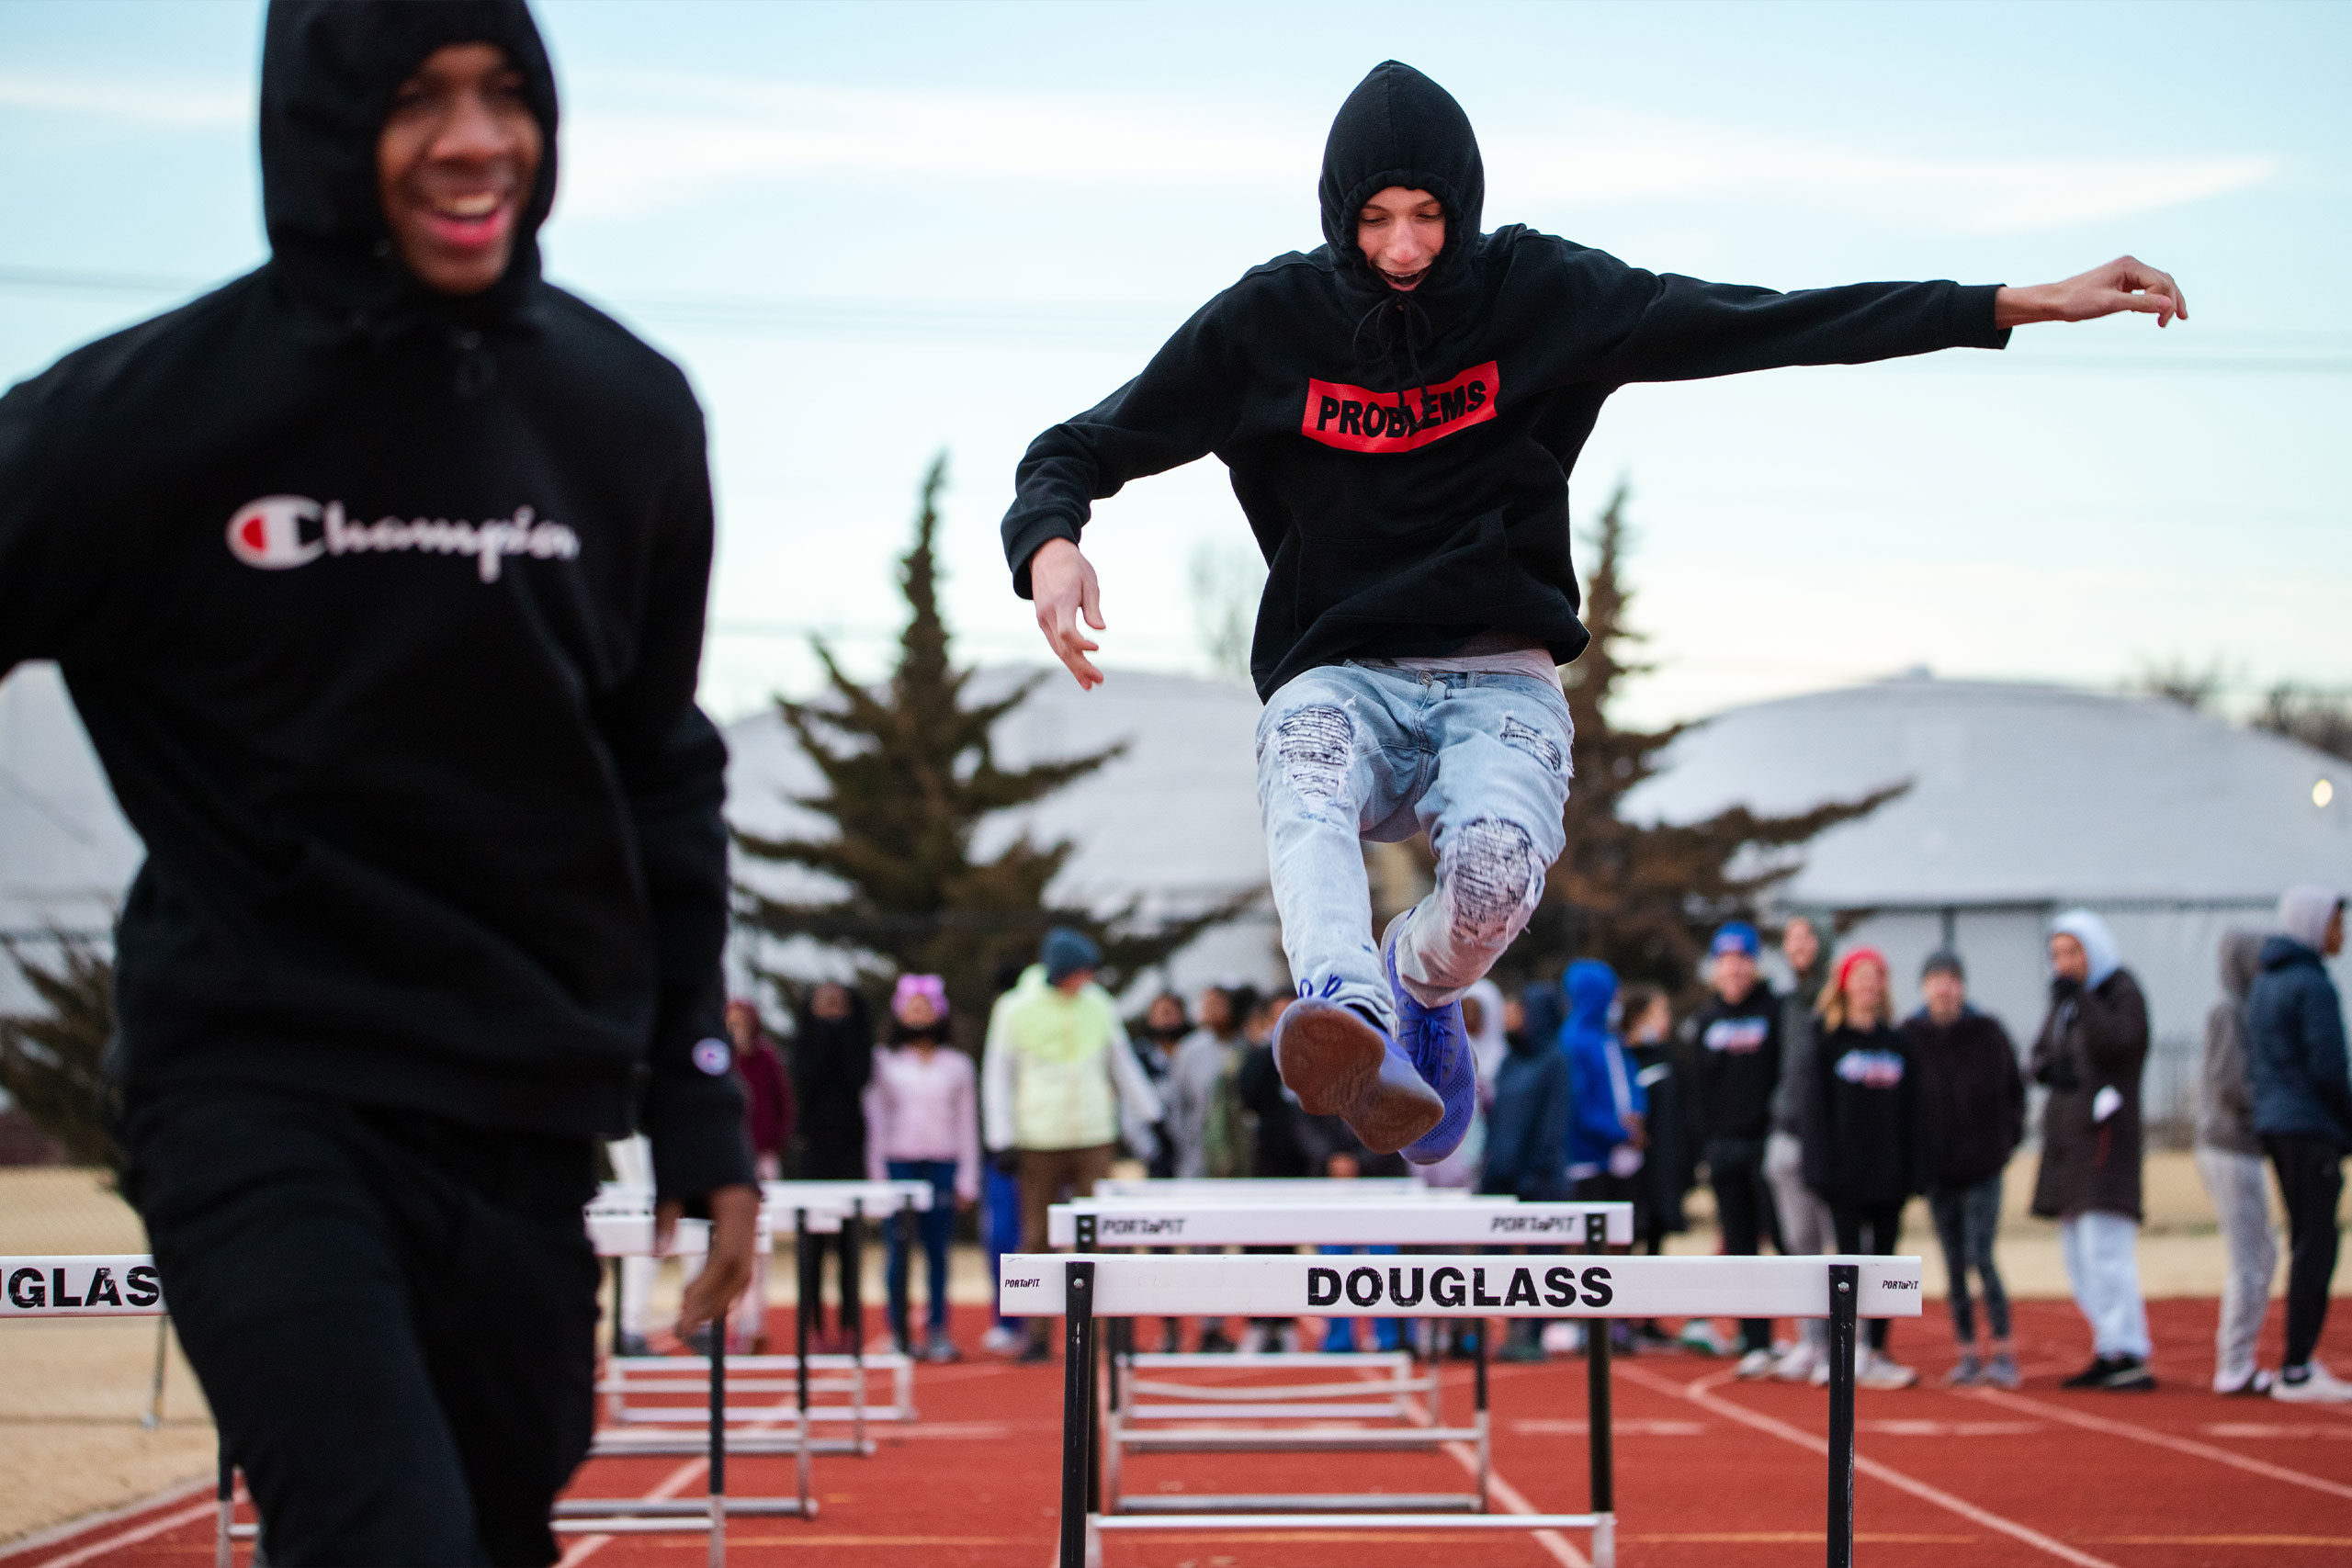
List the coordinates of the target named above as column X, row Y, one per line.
column 2315, row 353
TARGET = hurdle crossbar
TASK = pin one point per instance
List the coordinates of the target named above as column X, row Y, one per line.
column 1146, row 1285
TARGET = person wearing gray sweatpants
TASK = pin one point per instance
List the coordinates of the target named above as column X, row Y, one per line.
column 2229, row 1159
column 1805, row 1226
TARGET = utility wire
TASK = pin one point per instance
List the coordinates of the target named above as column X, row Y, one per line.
column 784, row 316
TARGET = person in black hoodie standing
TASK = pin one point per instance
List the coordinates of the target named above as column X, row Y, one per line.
column 1736, row 1044
column 1862, row 1134
column 1400, row 409
column 1972, row 1118
column 378, row 577
column 833, row 1058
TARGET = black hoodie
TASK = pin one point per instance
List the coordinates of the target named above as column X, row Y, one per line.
column 1403, row 457
column 383, row 610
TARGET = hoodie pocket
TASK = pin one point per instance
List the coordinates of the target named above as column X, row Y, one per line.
column 1445, row 574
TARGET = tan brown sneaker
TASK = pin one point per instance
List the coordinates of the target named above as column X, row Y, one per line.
column 1338, row 1064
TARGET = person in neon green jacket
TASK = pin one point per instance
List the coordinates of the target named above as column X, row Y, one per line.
column 1059, row 1086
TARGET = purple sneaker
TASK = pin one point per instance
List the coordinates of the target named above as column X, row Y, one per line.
column 1438, row 1043
column 1340, row 1064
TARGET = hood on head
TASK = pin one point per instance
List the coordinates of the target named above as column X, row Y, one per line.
column 1544, row 1015
column 2098, row 942
column 1591, row 987
column 328, row 69
column 2305, row 911
column 2241, row 959
column 1398, row 128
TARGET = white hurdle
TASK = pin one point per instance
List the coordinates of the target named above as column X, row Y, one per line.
column 122, row 1285
column 625, row 1230
column 798, row 1380
column 1129, row 1424
column 1144, row 1285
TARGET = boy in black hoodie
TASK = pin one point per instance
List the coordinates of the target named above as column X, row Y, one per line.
column 1400, row 407
column 378, row 578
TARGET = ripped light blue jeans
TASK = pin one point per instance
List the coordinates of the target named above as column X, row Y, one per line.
column 1368, row 750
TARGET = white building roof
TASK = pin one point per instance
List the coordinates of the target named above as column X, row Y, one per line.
column 2019, row 793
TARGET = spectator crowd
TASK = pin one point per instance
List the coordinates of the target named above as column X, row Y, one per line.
column 1811, row 1116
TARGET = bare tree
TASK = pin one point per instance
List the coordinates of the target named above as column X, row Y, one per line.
column 1227, row 582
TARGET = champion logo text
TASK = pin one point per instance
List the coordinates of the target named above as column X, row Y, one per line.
column 1356, row 420
column 281, row 532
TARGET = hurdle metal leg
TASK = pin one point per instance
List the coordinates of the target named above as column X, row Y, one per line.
column 225, row 1500
column 719, row 1440
column 1078, row 1415
column 155, row 1416
column 801, row 1309
column 853, row 1306
column 1599, row 1437
column 1121, row 1345
column 1843, row 1291
column 1485, row 1435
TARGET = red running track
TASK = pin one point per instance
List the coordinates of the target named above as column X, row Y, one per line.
column 1710, row 1471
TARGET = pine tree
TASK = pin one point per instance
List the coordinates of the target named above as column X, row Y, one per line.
column 1643, row 896
column 910, row 774
column 54, row 1064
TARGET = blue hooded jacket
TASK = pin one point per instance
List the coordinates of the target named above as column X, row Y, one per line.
column 1603, row 1086
column 2295, row 1051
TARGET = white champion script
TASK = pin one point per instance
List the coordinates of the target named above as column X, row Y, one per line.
column 271, row 534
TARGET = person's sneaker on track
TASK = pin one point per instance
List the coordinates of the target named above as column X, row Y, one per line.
column 2129, row 1374
column 2095, row 1374
column 1438, row 1043
column 1703, row 1337
column 1339, row 1063
column 1797, row 1364
column 1875, row 1369
column 2001, row 1371
column 1757, row 1363
column 2310, row 1384
column 2256, row 1385
column 1966, row 1373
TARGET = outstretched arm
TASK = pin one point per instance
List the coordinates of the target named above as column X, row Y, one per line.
column 1181, row 407
column 2123, row 284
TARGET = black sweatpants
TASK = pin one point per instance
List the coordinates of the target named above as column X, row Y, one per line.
column 1873, row 1230
column 1744, row 1213
column 2311, row 1180
column 393, row 1317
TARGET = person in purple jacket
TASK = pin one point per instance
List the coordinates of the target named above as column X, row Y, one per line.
column 1400, row 407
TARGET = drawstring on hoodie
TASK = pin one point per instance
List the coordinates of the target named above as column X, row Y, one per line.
column 1409, row 314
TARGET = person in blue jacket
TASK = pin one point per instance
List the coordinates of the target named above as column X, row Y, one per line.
column 1607, row 1104
column 2303, row 1113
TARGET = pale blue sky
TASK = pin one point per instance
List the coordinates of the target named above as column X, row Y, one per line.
column 872, row 231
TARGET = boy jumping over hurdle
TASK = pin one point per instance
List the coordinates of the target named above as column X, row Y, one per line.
column 1400, row 409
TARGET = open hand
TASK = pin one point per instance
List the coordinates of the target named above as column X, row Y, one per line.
column 1062, row 585
column 2123, row 284
column 727, row 1272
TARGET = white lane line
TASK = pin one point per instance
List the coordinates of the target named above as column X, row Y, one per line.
column 1514, row 1502
column 677, row 1481
column 1503, row 1491
column 208, row 1508
column 2150, row 1435
column 582, row 1549
column 1700, row 1394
